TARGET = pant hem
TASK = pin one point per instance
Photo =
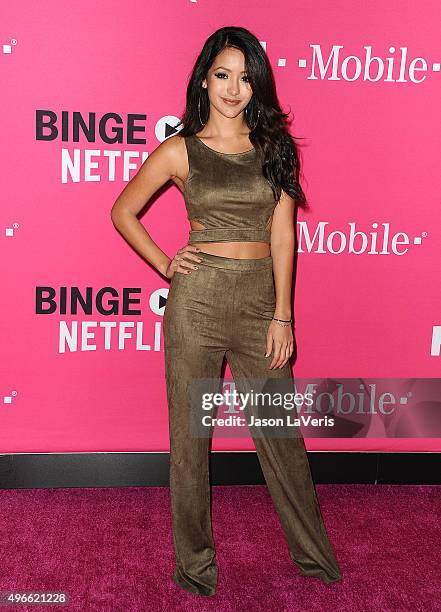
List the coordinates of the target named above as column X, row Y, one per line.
column 322, row 576
column 192, row 588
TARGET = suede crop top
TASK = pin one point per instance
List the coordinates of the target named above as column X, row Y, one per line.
column 228, row 194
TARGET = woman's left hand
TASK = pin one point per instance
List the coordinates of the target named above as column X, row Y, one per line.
column 281, row 339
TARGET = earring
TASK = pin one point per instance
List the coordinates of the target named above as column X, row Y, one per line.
column 257, row 120
column 199, row 109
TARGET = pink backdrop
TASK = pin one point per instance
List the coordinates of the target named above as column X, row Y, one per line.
column 371, row 156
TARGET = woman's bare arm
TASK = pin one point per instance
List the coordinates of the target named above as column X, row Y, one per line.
column 282, row 252
column 159, row 167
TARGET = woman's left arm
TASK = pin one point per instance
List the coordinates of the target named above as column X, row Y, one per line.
column 280, row 338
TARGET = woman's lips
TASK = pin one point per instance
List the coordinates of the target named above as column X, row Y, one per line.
column 231, row 103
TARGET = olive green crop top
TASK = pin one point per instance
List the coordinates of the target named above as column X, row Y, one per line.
column 228, row 194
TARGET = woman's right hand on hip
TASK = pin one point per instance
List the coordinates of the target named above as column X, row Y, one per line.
column 184, row 261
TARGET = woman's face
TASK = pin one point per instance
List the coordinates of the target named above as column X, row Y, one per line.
column 227, row 80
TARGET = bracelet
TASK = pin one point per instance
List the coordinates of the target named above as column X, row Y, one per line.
column 283, row 322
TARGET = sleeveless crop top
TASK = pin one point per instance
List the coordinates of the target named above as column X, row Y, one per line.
column 228, row 194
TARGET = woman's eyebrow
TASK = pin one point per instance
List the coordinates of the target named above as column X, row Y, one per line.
column 223, row 67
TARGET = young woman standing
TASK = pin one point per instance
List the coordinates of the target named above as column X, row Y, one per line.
column 230, row 291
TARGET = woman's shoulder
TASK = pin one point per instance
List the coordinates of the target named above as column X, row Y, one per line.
column 172, row 147
column 173, row 142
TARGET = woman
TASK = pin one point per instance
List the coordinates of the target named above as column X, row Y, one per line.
column 238, row 169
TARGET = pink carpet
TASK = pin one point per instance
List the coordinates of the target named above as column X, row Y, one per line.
column 111, row 550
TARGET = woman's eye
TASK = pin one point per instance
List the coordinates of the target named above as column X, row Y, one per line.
column 222, row 74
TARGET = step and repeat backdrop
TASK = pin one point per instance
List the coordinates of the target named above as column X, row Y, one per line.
column 89, row 91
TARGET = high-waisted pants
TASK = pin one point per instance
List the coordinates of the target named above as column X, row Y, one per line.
column 224, row 309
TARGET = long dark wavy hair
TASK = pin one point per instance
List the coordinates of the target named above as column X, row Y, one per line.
column 269, row 128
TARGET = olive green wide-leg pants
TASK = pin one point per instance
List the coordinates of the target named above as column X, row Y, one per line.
column 224, row 309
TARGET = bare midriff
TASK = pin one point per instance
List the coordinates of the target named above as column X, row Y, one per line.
column 237, row 250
